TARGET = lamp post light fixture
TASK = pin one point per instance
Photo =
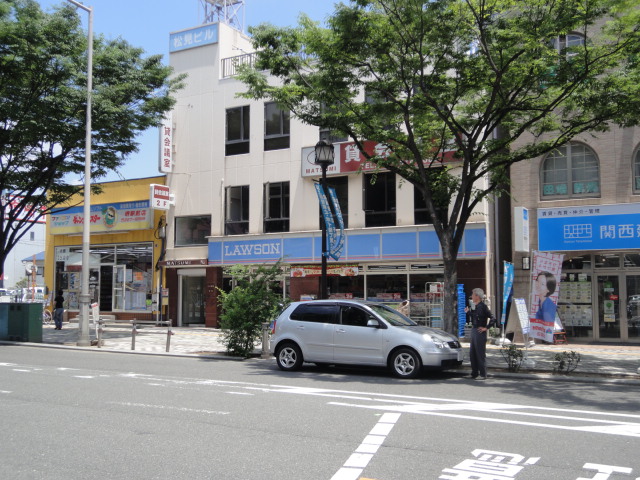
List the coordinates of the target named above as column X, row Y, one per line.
column 85, row 297
column 324, row 156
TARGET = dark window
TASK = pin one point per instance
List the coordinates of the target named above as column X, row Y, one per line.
column 327, row 134
column 237, row 210
column 341, row 185
column 636, row 172
column 237, row 131
column 192, row 230
column 354, row 316
column 276, row 127
column 317, row 313
column 380, row 199
column 570, row 171
column 276, row 207
column 421, row 215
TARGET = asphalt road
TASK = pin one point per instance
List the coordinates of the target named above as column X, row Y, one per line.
column 74, row 415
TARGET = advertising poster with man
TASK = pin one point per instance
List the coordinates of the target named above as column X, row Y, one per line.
column 545, row 285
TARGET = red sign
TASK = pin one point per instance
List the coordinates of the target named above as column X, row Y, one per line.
column 160, row 197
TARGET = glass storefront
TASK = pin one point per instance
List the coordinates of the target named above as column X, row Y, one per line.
column 599, row 297
column 120, row 276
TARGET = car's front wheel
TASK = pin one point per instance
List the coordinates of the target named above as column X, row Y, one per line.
column 289, row 357
column 405, row 363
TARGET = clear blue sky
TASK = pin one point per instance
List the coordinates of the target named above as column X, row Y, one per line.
column 147, row 24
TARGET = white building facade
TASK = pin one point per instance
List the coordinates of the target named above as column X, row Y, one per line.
column 242, row 175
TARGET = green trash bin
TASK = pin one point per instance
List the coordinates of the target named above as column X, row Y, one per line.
column 25, row 322
column 4, row 321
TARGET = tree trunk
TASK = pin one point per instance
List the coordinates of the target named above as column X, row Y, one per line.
column 450, row 308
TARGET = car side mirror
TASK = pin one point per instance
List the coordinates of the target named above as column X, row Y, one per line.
column 373, row 323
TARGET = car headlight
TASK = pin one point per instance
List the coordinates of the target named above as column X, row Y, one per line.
column 435, row 340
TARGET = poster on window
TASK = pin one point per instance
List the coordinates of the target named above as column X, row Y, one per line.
column 545, row 285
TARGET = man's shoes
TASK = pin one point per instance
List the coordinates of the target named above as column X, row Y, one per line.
column 480, row 378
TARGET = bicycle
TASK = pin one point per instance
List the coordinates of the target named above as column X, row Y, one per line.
column 47, row 318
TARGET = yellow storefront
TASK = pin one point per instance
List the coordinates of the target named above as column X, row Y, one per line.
column 127, row 240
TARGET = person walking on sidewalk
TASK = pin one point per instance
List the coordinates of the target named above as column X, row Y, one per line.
column 481, row 320
column 58, row 311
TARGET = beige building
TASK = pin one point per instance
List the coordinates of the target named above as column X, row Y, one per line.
column 243, row 176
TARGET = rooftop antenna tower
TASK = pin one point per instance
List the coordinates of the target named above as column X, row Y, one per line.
column 230, row 12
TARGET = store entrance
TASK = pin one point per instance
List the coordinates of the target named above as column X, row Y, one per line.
column 633, row 307
column 608, row 308
column 192, row 302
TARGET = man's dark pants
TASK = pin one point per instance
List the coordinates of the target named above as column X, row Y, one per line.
column 478, row 353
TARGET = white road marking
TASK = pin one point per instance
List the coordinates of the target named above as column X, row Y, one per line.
column 166, row 407
column 357, row 462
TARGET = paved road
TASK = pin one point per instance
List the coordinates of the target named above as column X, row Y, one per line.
column 70, row 414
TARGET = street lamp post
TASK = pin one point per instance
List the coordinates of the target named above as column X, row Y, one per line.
column 324, row 156
column 85, row 298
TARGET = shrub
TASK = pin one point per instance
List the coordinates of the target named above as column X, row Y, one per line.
column 565, row 362
column 513, row 356
column 250, row 303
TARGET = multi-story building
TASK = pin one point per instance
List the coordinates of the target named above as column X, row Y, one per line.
column 243, row 176
column 583, row 202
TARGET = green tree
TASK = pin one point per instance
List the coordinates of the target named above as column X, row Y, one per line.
column 480, row 84
column 43, row 94
column 251, row 302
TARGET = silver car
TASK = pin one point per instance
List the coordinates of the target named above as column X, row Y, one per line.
column 351, row 332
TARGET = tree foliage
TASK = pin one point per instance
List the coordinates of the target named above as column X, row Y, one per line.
column 481, row 84
column 43, row 97
column 250, row 303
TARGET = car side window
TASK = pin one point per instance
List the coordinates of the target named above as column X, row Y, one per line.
column 320, row 313
column 354, row 316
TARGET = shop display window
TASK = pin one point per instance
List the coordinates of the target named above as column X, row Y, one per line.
column 121, row 276
column 575, row 304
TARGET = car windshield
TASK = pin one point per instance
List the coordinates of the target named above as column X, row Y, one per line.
column 392, row 316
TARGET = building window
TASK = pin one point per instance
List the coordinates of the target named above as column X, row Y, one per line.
column 276, row 207
column 276, row 127
column 379, row 199
column 327, row 134
column 636, row 172
column 565, row 44
column 237, row 210
column 237, row 131
column 341, row 186
column 192, row 230
column 32, row 236
column 421, row 214
column 570, row 171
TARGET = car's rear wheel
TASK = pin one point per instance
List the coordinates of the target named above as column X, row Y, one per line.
column 405, row 363
column 289, row 357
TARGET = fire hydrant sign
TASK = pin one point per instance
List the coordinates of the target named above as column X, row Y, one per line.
column 160, row 197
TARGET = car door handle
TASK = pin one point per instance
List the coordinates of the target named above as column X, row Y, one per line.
column 341, row 330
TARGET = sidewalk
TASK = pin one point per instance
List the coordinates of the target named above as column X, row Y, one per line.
column 612, row 363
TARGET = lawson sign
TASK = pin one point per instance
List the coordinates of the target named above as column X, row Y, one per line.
column 589, row 227
column 410, row 243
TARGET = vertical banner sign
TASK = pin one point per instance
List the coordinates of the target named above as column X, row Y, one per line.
column 327, row 215
column 545, row 283
column 165, row 158
column 508, row 286
column 336, row 248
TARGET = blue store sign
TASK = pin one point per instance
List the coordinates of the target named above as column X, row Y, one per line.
column 359, row 246
column 592, row 227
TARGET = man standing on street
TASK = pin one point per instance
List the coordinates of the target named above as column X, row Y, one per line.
column 481, row 320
